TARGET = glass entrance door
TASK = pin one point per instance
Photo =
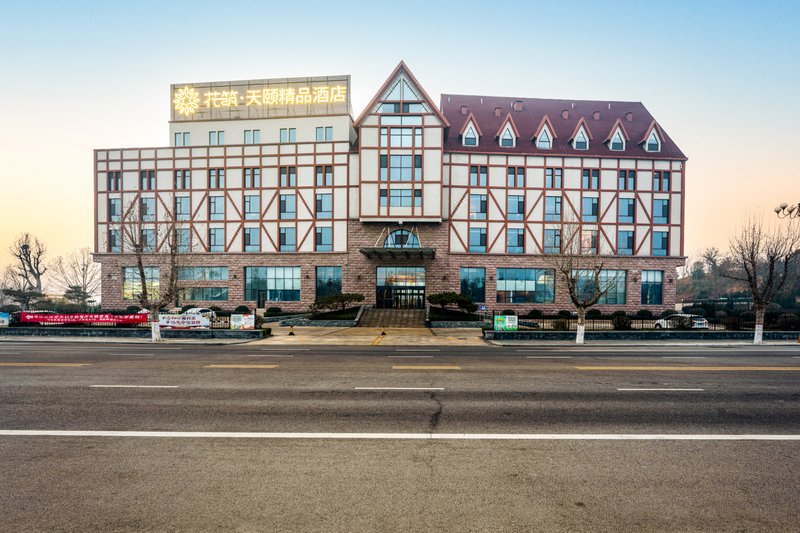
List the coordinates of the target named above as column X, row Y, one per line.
column 400, row 288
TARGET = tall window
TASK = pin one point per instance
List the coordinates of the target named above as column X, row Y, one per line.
column 216, row 240
column 183, row 208
column 114, row 209
column 384, row 197
column 183, row 240
column 216, row 138
column 477, row 207
column 627, row 180
column 591, row 178
column 324, row 175
column 288, row 135
column 652, row 287
column 324, row 205
column 252, row 178
column 147, row 209
column 216, row 178
column 660, row 242
column 132, row 282
column 252, row 207
column 288, row 176
column 477, row 176
column 625, row 243
column 473, row 283
column 525, row 285
column 182, row 138
column 329, row 281
column 148, row 237
column 516, row 207
column 114, row 241
column 589, row 209
column 324, row 239
column 272, row 284
column 288, row 206
column 589, row 242
column 660, row 211
column 553, row 178
column 216, row 208
column 516, row 240
column 516, row 176
column 626, row 211
column 288, row 239
column 552, row 208
column 477, row 240
column 252, row 136
column 114, row 181
column 183, row 179
column 147, row 180
column 252, row 240
column 661, row 181
column 552, row 241
column 325, row 133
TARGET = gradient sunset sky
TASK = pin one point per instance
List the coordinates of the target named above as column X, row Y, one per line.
column 721, row 77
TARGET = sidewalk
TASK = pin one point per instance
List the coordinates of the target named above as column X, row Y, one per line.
column 372, row 336
column 117, row 340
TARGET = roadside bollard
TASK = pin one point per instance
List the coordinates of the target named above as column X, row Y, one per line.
column 383, row 331
column 291, row 330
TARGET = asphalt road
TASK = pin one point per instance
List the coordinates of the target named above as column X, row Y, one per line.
column 315, row 438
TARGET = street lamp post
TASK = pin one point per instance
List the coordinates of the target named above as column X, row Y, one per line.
column 788, row 211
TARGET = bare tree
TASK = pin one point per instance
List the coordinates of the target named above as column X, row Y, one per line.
column 712, row 259
column 77, row 276
column 763, row 260
column 29, row 253
column 152, row 244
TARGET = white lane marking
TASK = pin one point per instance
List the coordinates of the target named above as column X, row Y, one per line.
column 286, row 349
column 130, row 353
column 133, row 386
column 673, row 390
column 409, row 356
column 10, row 353
column 413, row 350
column 682, row 357
column 399, row 388
column 400, row 436
column 267, row 355
column 548, row 357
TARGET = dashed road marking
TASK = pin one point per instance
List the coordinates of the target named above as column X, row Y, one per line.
column 133, row 386
column 697, row 368
column 44, row 364
column 662, row 390
column 399, row 388
column 426, row 367
column 241, row 366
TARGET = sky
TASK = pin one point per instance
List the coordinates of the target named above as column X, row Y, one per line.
column 722, row 79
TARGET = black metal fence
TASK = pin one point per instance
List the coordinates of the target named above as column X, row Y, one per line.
column 619, row 321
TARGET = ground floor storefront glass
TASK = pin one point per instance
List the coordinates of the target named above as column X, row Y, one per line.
column 400, row 288
column 272, row 284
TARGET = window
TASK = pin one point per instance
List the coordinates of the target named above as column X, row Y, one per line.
column 653, row 143
column 216, row 240
column 552, row 208
column 516, row 207
column 589, row 242
column 589, row 209
column 216, row 208
column 627, row 180
column 252, row 178
column 148, row 240
column 183, row 179
column 325, row 133
column 516, row 176
column 470, row 139
column 660, row 242
column 401, row 167
column 182, row 138
column 544, row 142
column 660, row 211
column 401, row 238
column 114, row 181
column 652, row 287
column 329, row 281
column 324, row 205
column 183, row 208
column 252, row 207
column 132, row 282
column 661, row 181
column 400, row 197
column 384, row 197
column 216, row 178
column 288, row 239
column 552, row 241
column 417, row 197
column 183, row 240
column 477, row 240
column 114, row 241
column 272, row 284
column 147, row 209
column 147, row 180
column 477, row 207
column 114, row 209
column 525, row 285
column 216, row 138
column 324, row 240
column 288, row 135
column 477, row 176
column 581, row 142
column 625, row 242
column 202, row 273
column 553, row 178
column 288, row 207
column 389, row 108
column 473, row 283
column 626, row 211
column 194, row 294
column 591, row 178
column 324, row 174
column 617, row 142
column 401, row 137
column 288, row 176
column 507, row 138
column 252, row 240
column 252, row 136
column 516, row 240
column 612, row 283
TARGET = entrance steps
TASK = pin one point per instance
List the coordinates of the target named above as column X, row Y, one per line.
column 392, row 318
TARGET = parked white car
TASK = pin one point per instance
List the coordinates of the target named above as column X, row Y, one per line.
column 202, row 311
column 682, row 321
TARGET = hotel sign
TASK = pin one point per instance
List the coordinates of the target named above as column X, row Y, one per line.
column 287, row 97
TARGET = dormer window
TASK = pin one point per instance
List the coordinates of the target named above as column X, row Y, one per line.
column 617, row 142
column 653, row 142
column 581, row 142
column 470, row 139
column 543, row 142
column 507, row 139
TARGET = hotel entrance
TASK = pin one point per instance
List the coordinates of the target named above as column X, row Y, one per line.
column 400, row 288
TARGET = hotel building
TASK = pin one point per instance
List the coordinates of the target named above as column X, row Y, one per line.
column 277, row 196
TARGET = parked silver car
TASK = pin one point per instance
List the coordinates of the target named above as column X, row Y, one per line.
column 682, row 321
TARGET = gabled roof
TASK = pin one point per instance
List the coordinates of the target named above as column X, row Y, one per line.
column 402, row 68
column 617, row 124
column 653, row 126
column 509, row 119
column 581, row 123
column 545, row 122
column 471, row 120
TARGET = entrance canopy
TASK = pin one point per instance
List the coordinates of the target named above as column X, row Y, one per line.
column 398, row 253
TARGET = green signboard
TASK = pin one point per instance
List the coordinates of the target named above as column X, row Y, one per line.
column 505, row 323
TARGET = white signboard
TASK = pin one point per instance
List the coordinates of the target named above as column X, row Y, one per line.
column 183, row 321
column 4, row 318
column 243, row 321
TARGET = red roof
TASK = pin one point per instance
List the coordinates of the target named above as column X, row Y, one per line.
column 528, row 120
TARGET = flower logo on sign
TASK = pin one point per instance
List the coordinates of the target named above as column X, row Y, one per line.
column 186, row 101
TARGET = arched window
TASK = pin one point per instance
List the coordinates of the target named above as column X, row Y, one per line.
column 401, row 238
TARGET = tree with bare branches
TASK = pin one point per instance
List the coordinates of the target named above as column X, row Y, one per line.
column 29, row 269
column 77, row 276
column 762, row 258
